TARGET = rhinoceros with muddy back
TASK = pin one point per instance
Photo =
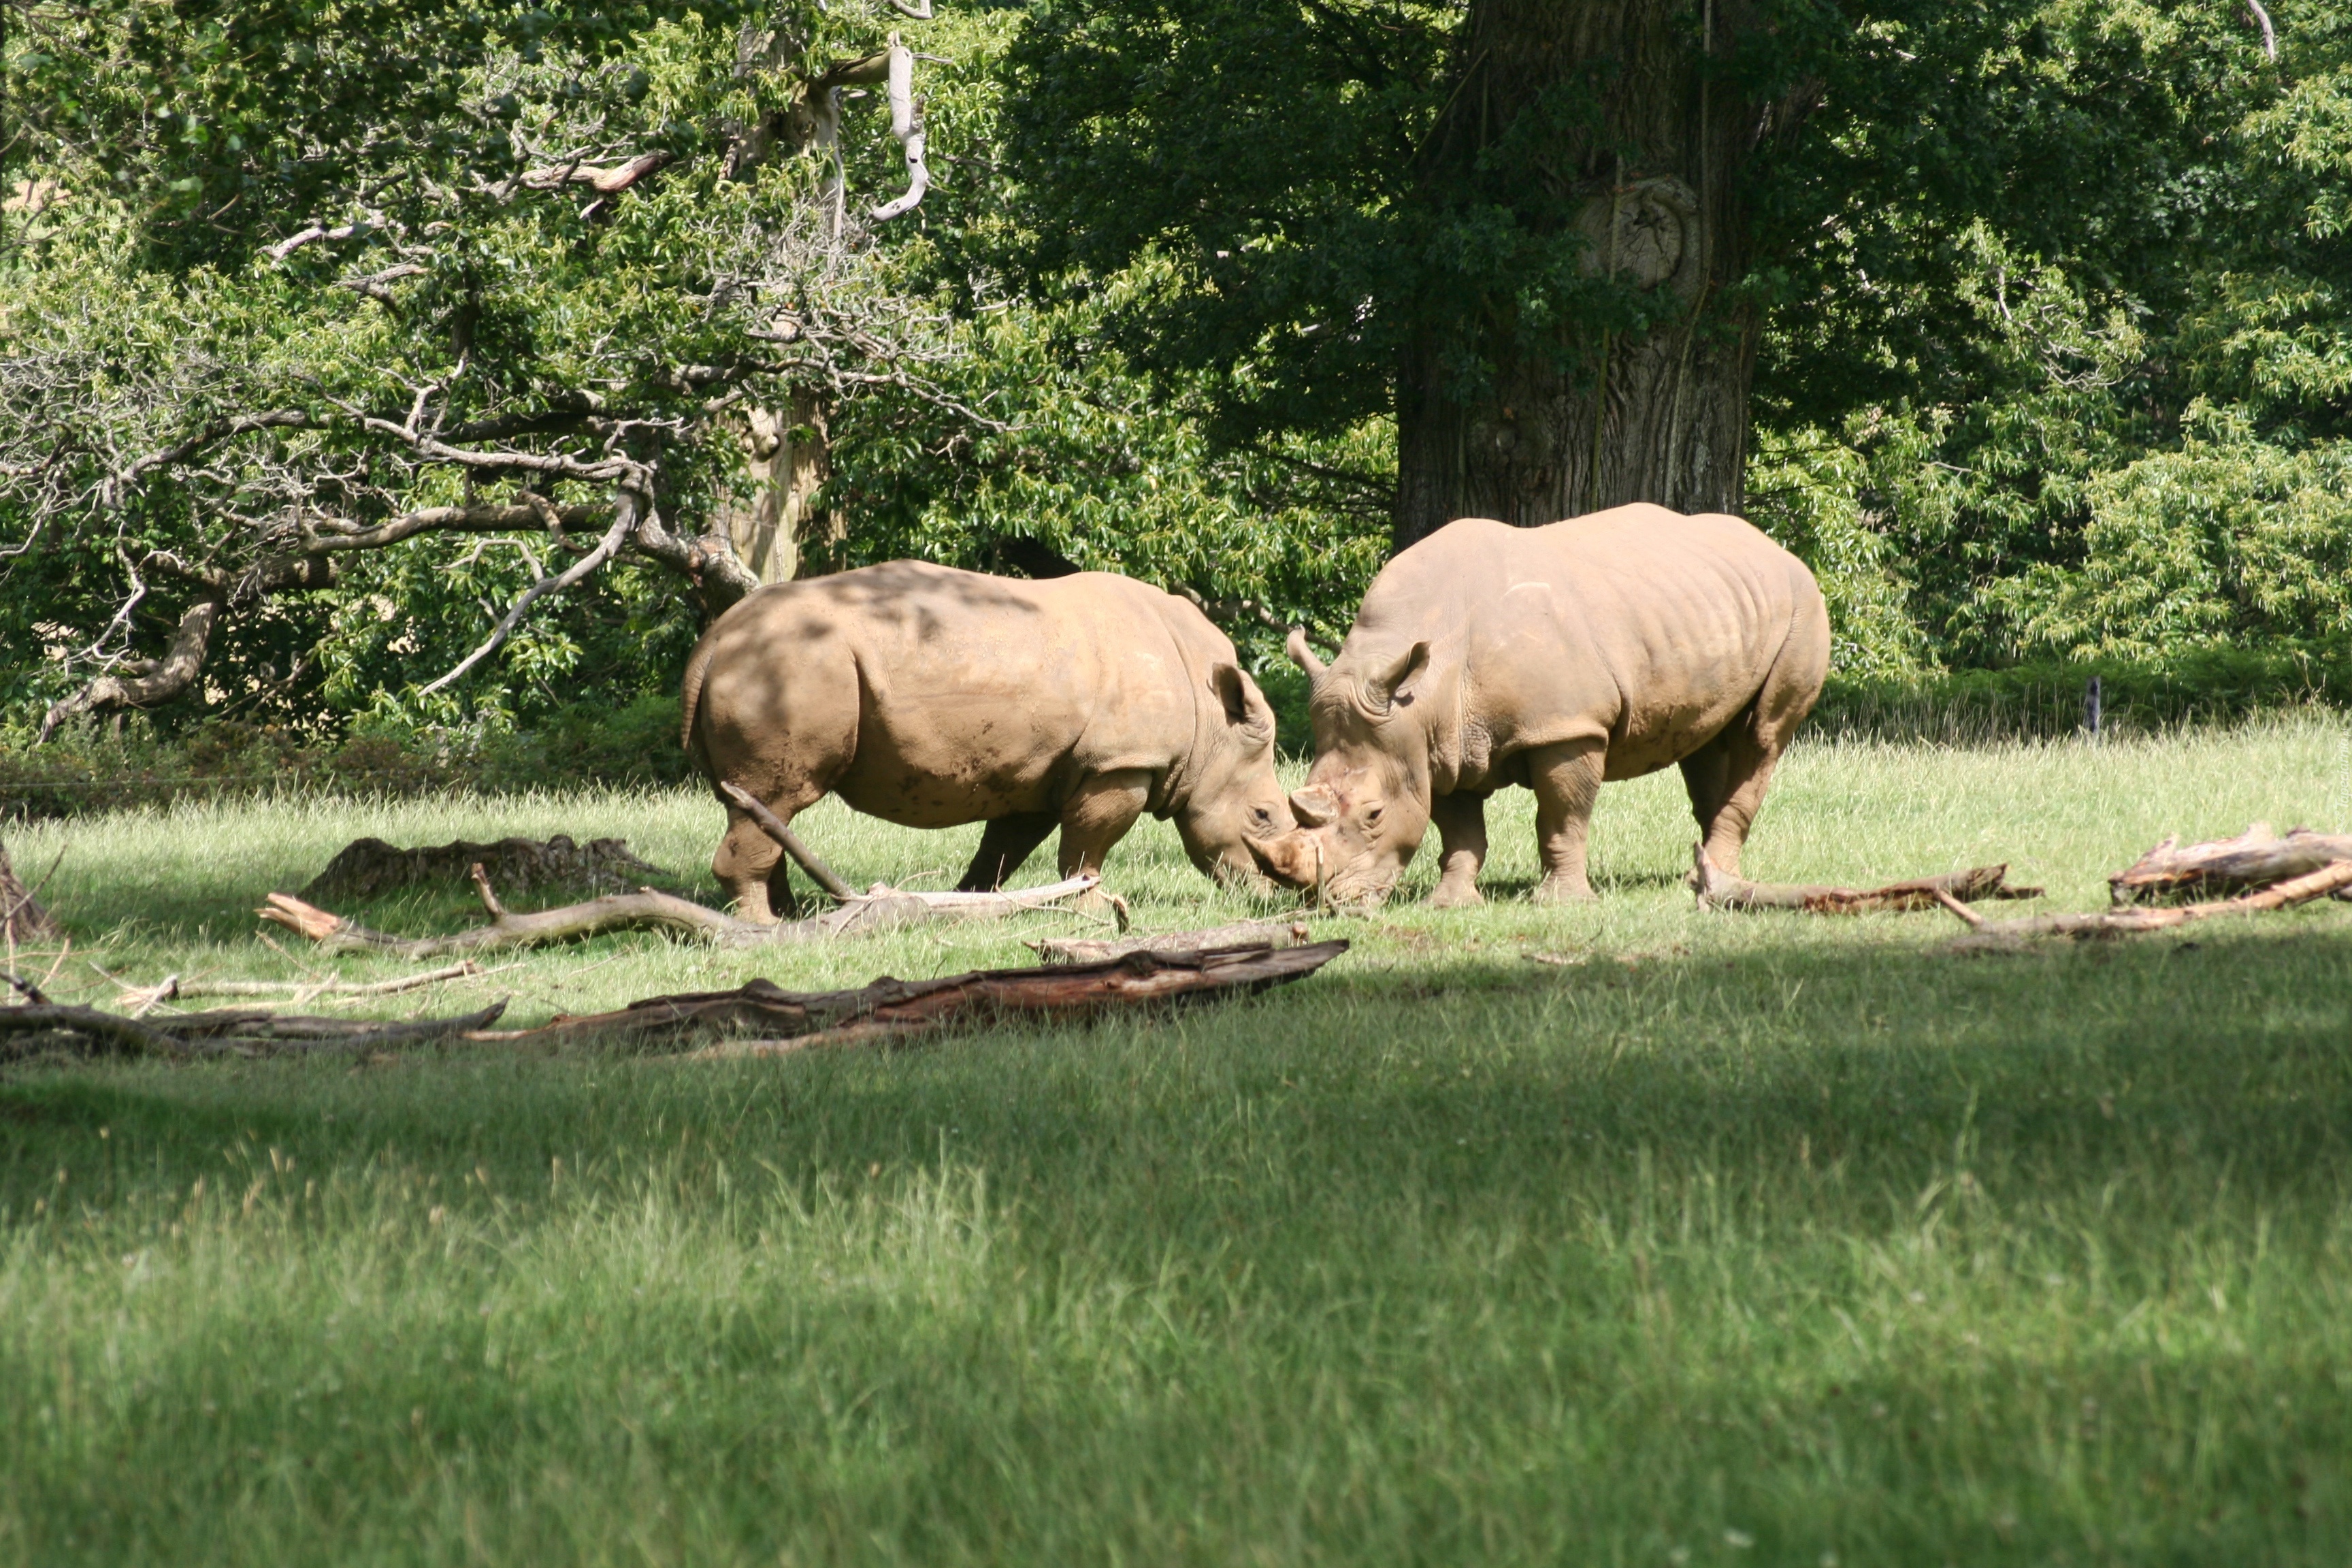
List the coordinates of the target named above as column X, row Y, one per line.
column 932, row 697
column 1558, row 658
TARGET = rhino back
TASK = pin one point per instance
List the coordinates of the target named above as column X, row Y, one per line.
column 1640, row 626
column 930, row 696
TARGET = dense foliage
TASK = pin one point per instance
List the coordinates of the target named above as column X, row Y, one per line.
column 2055, row 342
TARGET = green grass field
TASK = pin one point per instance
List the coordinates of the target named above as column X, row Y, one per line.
column 1737, row 1239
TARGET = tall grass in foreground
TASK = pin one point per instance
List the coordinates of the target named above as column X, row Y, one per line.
column 1730, row 1240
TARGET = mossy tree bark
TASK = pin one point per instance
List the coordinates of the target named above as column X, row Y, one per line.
column 1611, row 132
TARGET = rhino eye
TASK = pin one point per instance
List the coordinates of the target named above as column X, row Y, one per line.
column 1260, row 813
column 1372, row 816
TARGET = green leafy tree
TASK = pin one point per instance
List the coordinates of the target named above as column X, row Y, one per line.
column 342, row 337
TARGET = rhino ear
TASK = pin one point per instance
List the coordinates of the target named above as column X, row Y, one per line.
column 1313, row 806
column 1245, row 708
column 1301, row 655
column 1386, row 691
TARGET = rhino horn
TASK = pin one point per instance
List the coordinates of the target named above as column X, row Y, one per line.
column 1313, row 806
column 1301, row 655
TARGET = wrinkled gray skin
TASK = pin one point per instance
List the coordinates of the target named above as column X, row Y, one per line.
column 932, row 697
column 1600, row 649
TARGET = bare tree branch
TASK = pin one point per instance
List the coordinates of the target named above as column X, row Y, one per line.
column 906, row 125
column 624, row 517
column 172, row 675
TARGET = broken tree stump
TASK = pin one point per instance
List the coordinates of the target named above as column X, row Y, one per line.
column 368, row 867
column 1984, row 934
column 1721, row 891
column 763, row 1019
column 2256, row 858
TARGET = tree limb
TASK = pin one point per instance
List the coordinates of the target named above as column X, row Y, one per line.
column 172, row 674
column 906, row 125
column 624, row 517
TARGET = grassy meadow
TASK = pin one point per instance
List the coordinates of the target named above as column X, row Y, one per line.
column 1717, row 1239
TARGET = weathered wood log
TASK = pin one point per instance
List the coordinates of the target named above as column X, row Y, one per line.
column 790, row 842
column 2256, row 858
column 1258, row 935
column 1985, row 935
column 884, row 908
column 763, row 1019
column 86, row 1031
column 1718, row 890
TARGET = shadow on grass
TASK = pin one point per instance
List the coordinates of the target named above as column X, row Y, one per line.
column 1465, row 1074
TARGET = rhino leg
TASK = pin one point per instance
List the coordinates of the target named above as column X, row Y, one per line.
column 1462, row 849
column 751, row 865
column 1726, row 779
column 1097, row 815
column 1006, row 843
column 1566, row 780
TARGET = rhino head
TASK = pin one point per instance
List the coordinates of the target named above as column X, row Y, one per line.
column 1234, row 812
column 1365, row 807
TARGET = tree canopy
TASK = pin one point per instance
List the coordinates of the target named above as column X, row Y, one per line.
column 363, row 358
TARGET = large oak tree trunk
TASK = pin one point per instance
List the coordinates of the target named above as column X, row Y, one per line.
column 1625, row 150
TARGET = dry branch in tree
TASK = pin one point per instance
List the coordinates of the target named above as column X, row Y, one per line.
column 880, row 908
column 763, row 1019
column 1984, row 934
column 2256, row 858
column 1719, row 891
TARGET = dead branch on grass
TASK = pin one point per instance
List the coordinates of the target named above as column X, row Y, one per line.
column 2256, row 858
column 763, row 1019
column 1719, row 890
column 42, row 1030
column 882, row 908
column 1259, row 936
column 1984, row 934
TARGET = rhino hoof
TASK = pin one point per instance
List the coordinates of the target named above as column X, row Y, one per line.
column 1455, row 898
column 1561, row 890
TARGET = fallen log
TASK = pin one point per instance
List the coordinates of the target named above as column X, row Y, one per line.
column 1251, row 936
column 883, row 909
column 1985, row 935
column 1719, row 890
column 86, row 1031
column 2256, row 858
column 763, row 1019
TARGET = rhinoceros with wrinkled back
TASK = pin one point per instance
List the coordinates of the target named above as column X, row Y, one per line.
column 933, row 698
column 1602, row 648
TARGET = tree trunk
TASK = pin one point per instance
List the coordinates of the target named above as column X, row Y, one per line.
column 773, row 522
column 1598, row 125
column 22, row 919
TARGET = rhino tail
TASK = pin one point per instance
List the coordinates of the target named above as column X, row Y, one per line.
column 697, row 666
